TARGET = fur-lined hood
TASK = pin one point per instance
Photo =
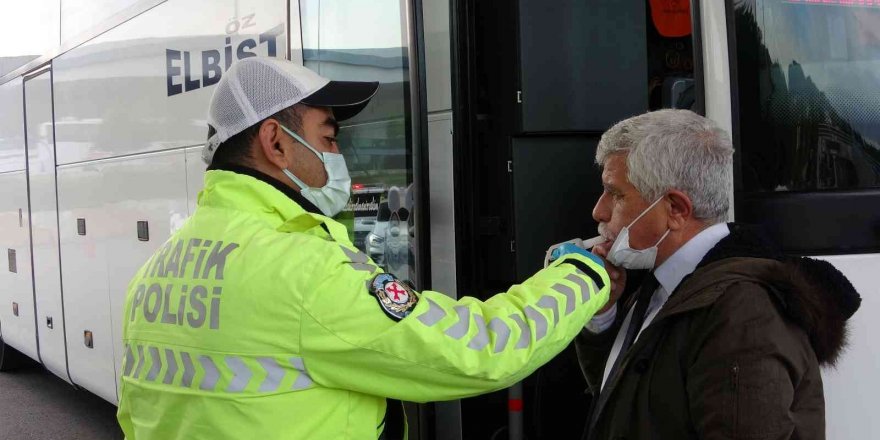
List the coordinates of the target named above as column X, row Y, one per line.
column 811, row 293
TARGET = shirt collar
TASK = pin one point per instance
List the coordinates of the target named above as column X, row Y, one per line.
column 685, row 260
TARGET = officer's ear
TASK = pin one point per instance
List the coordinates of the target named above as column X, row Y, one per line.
column 269, row 141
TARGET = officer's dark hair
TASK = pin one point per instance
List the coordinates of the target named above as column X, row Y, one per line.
column 237, row 149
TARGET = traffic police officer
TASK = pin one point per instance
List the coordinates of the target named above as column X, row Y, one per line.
column 259, row 319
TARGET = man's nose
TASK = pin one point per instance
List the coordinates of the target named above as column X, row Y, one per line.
column 601, row 213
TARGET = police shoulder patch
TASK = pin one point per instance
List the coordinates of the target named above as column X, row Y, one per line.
column 395, row 297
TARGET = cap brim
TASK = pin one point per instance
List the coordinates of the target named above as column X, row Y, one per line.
column 346, row 98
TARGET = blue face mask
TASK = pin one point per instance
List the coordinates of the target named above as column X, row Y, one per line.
column 333, row 196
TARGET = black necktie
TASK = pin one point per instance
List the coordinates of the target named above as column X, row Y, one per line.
column 643, row 299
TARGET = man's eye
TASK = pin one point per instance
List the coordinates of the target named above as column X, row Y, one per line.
column 331, row 139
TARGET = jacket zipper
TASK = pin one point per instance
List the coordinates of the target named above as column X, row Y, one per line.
column 734, row 375
column 734, row 384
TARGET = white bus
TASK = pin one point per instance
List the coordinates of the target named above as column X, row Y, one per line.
column 475, row 155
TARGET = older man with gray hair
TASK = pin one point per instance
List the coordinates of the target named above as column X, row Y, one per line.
column 723, row 337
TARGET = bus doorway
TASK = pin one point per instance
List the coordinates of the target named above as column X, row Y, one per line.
column 535, row 85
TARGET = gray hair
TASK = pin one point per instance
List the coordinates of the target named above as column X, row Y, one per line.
column 675, row 149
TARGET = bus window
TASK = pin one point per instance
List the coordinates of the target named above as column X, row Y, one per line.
column 809, row 94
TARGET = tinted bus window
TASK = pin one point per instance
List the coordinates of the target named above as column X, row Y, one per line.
column 809, row 94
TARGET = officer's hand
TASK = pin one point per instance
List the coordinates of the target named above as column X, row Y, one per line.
column 617, row 276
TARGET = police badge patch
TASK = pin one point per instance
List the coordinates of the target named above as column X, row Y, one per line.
column 395, row 297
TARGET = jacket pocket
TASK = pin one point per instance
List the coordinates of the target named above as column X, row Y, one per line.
column 756, row 403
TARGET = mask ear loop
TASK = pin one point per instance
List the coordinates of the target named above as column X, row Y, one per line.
column 667, row 230
column 645, row 211
column 302, row 185
column 642, row 215
column 299, row 139
column 302, row 141
column 662, row 238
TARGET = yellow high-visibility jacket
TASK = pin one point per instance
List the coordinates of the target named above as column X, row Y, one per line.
column 260, row 320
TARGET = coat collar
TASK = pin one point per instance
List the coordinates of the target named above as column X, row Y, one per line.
column 686, row 259
column 275, row 183
column 813, row 294
column 703, row 287
column 718, row 268
column 248, row 190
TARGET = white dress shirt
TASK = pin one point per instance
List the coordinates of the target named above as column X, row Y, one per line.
column 669, row 274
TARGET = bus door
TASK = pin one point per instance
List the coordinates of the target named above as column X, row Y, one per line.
column 43, row 201
column 17, row 295
column 538, row 85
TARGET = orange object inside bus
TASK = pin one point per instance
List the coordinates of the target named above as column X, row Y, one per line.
column 672, row 18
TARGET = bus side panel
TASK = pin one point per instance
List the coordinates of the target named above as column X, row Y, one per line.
column 82, row 227
column 16, row 285
column 16, row 282
column 44, row 223
column 147, row 188
column 112, row 196
column 144, row 86
column 850, row 387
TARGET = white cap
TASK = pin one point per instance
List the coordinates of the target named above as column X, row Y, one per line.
column 255, row 88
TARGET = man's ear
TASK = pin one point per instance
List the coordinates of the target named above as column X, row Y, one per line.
column 681, row 209
column 268, row 141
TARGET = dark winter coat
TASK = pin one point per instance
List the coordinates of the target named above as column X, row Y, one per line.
column 733, row 354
